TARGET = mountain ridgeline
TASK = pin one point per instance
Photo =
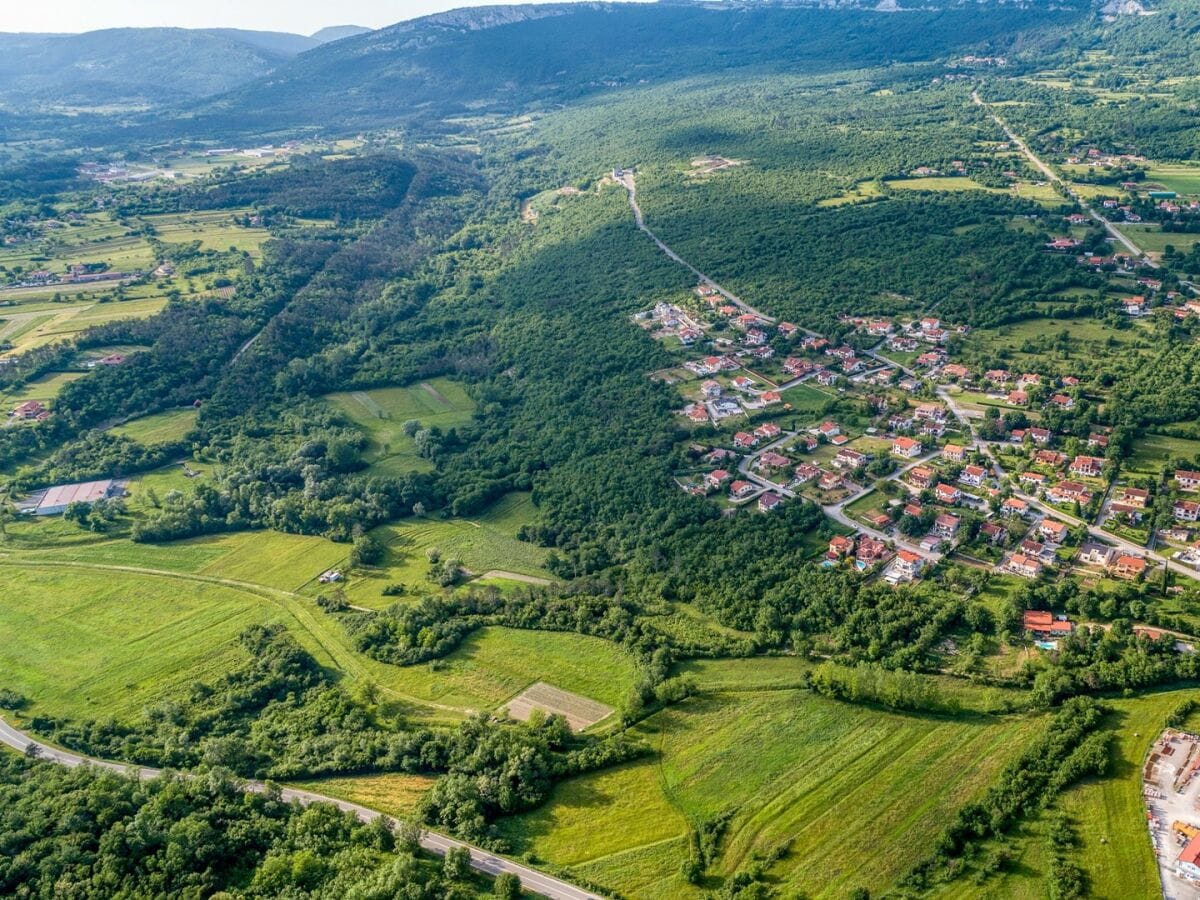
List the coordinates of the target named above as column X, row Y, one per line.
column 480, row 59
column 139, row 67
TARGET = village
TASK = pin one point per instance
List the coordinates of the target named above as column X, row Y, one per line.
column 882, row 431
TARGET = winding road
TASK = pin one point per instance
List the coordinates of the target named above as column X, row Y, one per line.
column 488, row 863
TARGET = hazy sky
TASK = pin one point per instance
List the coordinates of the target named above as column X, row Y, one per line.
column 302, row 16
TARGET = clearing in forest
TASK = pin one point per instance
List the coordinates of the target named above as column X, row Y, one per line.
column 580, row 712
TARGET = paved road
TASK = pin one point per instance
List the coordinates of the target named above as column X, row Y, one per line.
column 531, row 879
column 627, row 181
column 1052, row 176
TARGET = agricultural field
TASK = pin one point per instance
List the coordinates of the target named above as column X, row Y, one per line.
column 938, row 183
column 382, row 412
column 1183, row 178
column 493, row 665
column 395, row 794
column 580, row 712
column 95, row 643
column 44, row 389
column 159, row 428
column 793, row 767
column 484, row 543
column 1152, row 239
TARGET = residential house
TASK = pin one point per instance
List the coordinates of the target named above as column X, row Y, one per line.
column 930, row 412
column 998, row 376
column 870, row 550
column 772, row 460
column 1063, row 401
column 787, row 329
column 902, row 421
column 839, row 547
column 1097, row 440
column 1069, row 492
column 755, row 337
column 829, row 481
column 1043, row 624
column 994, row 532
column 1050, row 458
column 1022, row 565
column 1096, row 554
column 697, row 413
column 1187, row 481
column 711, row 389
column 947, row 493
column 973, row 476
column 1053, row 530
column 849, row 459
column 742, row 382
column 768, row 501
column 920, row 477
column 826, row 377
column 954, row 452
column 1087, row 466
column 1134, row 306
column 797, row 366
column 770, row 397
column 907, row 566
column 829, row 429
column 1014, row 506
column 1017, row 398
column 806, row 472
column 30, row 409
column 945, row 526
column 767, row 431
column 1186, row 510
column 716, row 478
column 933, row 428
column 1040, row 435
column 1139, row 497
column 906, row 447
column 1128, row 567
column 1034, row 480
column 740, row 490
column 954, row 370
column 744, row 441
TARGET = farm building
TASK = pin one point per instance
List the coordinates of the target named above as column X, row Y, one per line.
column 59, row 497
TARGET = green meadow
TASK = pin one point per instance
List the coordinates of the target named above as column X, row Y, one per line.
column 382, row 412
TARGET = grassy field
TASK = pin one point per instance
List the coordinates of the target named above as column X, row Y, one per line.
column 1109, row 817
column 1152, row 239
column 1179, row 177
column 88, row 643
column 393, row 793
column 44, row 389
column 482, row 543
column 795, row 767
column 495, row 664
column 382, row 412
column 938, row 183
column 159, row 428
column 1153, row 451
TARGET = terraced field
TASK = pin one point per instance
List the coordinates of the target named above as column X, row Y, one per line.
column 836, row 781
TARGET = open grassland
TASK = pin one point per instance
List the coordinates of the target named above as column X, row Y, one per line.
column 1153, row 239
column 483, row 543
column 938, row 183
column 1183, row 178
column 1153, row 451
column 159, row 428
column 493, row 665
column 1108, row 815
column 27, row 330
column 830, row 777
column 393, row 793
column 382, row 412
column 44, row 389
column 214, row 229
column 86, row 643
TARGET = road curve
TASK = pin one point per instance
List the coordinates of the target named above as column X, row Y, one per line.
column 488, row 863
